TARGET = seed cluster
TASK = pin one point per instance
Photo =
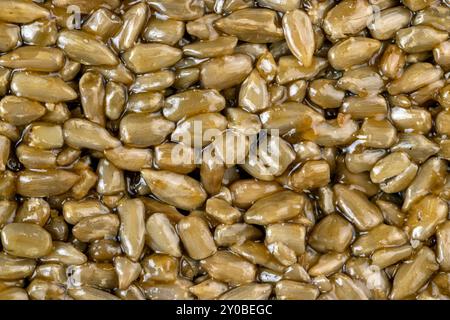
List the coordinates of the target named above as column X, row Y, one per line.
column 349, row 200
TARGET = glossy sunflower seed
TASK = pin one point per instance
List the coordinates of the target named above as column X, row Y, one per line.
column 86, row 49
column 292, row 290
column 228, row 267
column 419, row 38
column 389, row 21
column 26, row 240
column 79, row 133
column 410, row 277
column 252, row 25
column 196, row 237
column 102, row 23
column 415, row 77
column 179, row 190
column 357, row 208
column 162, row 236
column 254, row 94
column 347, row 18
column 132, row 227
column 133, row 23
column 266, row 211
column 66, row 254
column 352, row 51
column 22, row 11
column 144, row 129
column 9, row 36
column 191, row 103
column 34, row 58
column 45, row 183
column 15, row 267
column 29, row 85
column 233, row 69
column 299, row 36
column 162, row 56
column 96, row 227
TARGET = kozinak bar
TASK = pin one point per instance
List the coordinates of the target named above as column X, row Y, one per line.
column 216, row 150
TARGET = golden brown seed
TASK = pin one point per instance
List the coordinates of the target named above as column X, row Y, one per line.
column 431, row 177
column 248, row 292
column 392, row 62
column 162, row 236
column 332, row 133
column 111, row 179
column 15, row 268
column 290, row 234
column 96, row 227
column 115, row 97
column 70, row 70
column 133, row 23
column 254, row 95
column 162, row 56
column 283, row 5
column 382, row 236
column 102, row 23
column 34, row 58
column 252, row 25
column 100, row 275
column 388, row 256
column 324, row 93
column 144, row 129
column 299, row 36
column 179, row 190
column 196, row 237
column 352, row 51
column 26, row 240
column 266, row 210
column 257, row 253
column 243, row 121
column 9, row 36
column 441, row 55
column 211, row 48
column 79, row 133
column 233, row 70
column 389, row 21
column 44, row 136
column 132, row 227
column 86, row 49
column 191, row 103
column 290, row 70
column 45, row 183
column 362, row 81
column 289, row 116
column 425, row 216
column 238, row 233
column 66, row 254
column 332, row 233
column 411, row 276
column 75, row 211
column 228, row 267
column 33, row 210
column 127, row 271
column 21, row 11
column 292, row 290
column 415, row 77
column 347, row 18
column 419, row 39
column 155, row 81
column 328, row 263
column 442, row 246
column 357, row 208
column 165, row 31
column 131, row 159
column 92, row 95
column 377, row 133
column 118, row 73
column 311, row 175
column 221, row 211
column 179, row 9
column 104, row 250
column 30, row 86
column 374, row 106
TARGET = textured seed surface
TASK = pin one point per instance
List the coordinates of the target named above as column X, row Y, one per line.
column 224, row 149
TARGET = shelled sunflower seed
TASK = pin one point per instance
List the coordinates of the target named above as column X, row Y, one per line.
column 224, row 149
